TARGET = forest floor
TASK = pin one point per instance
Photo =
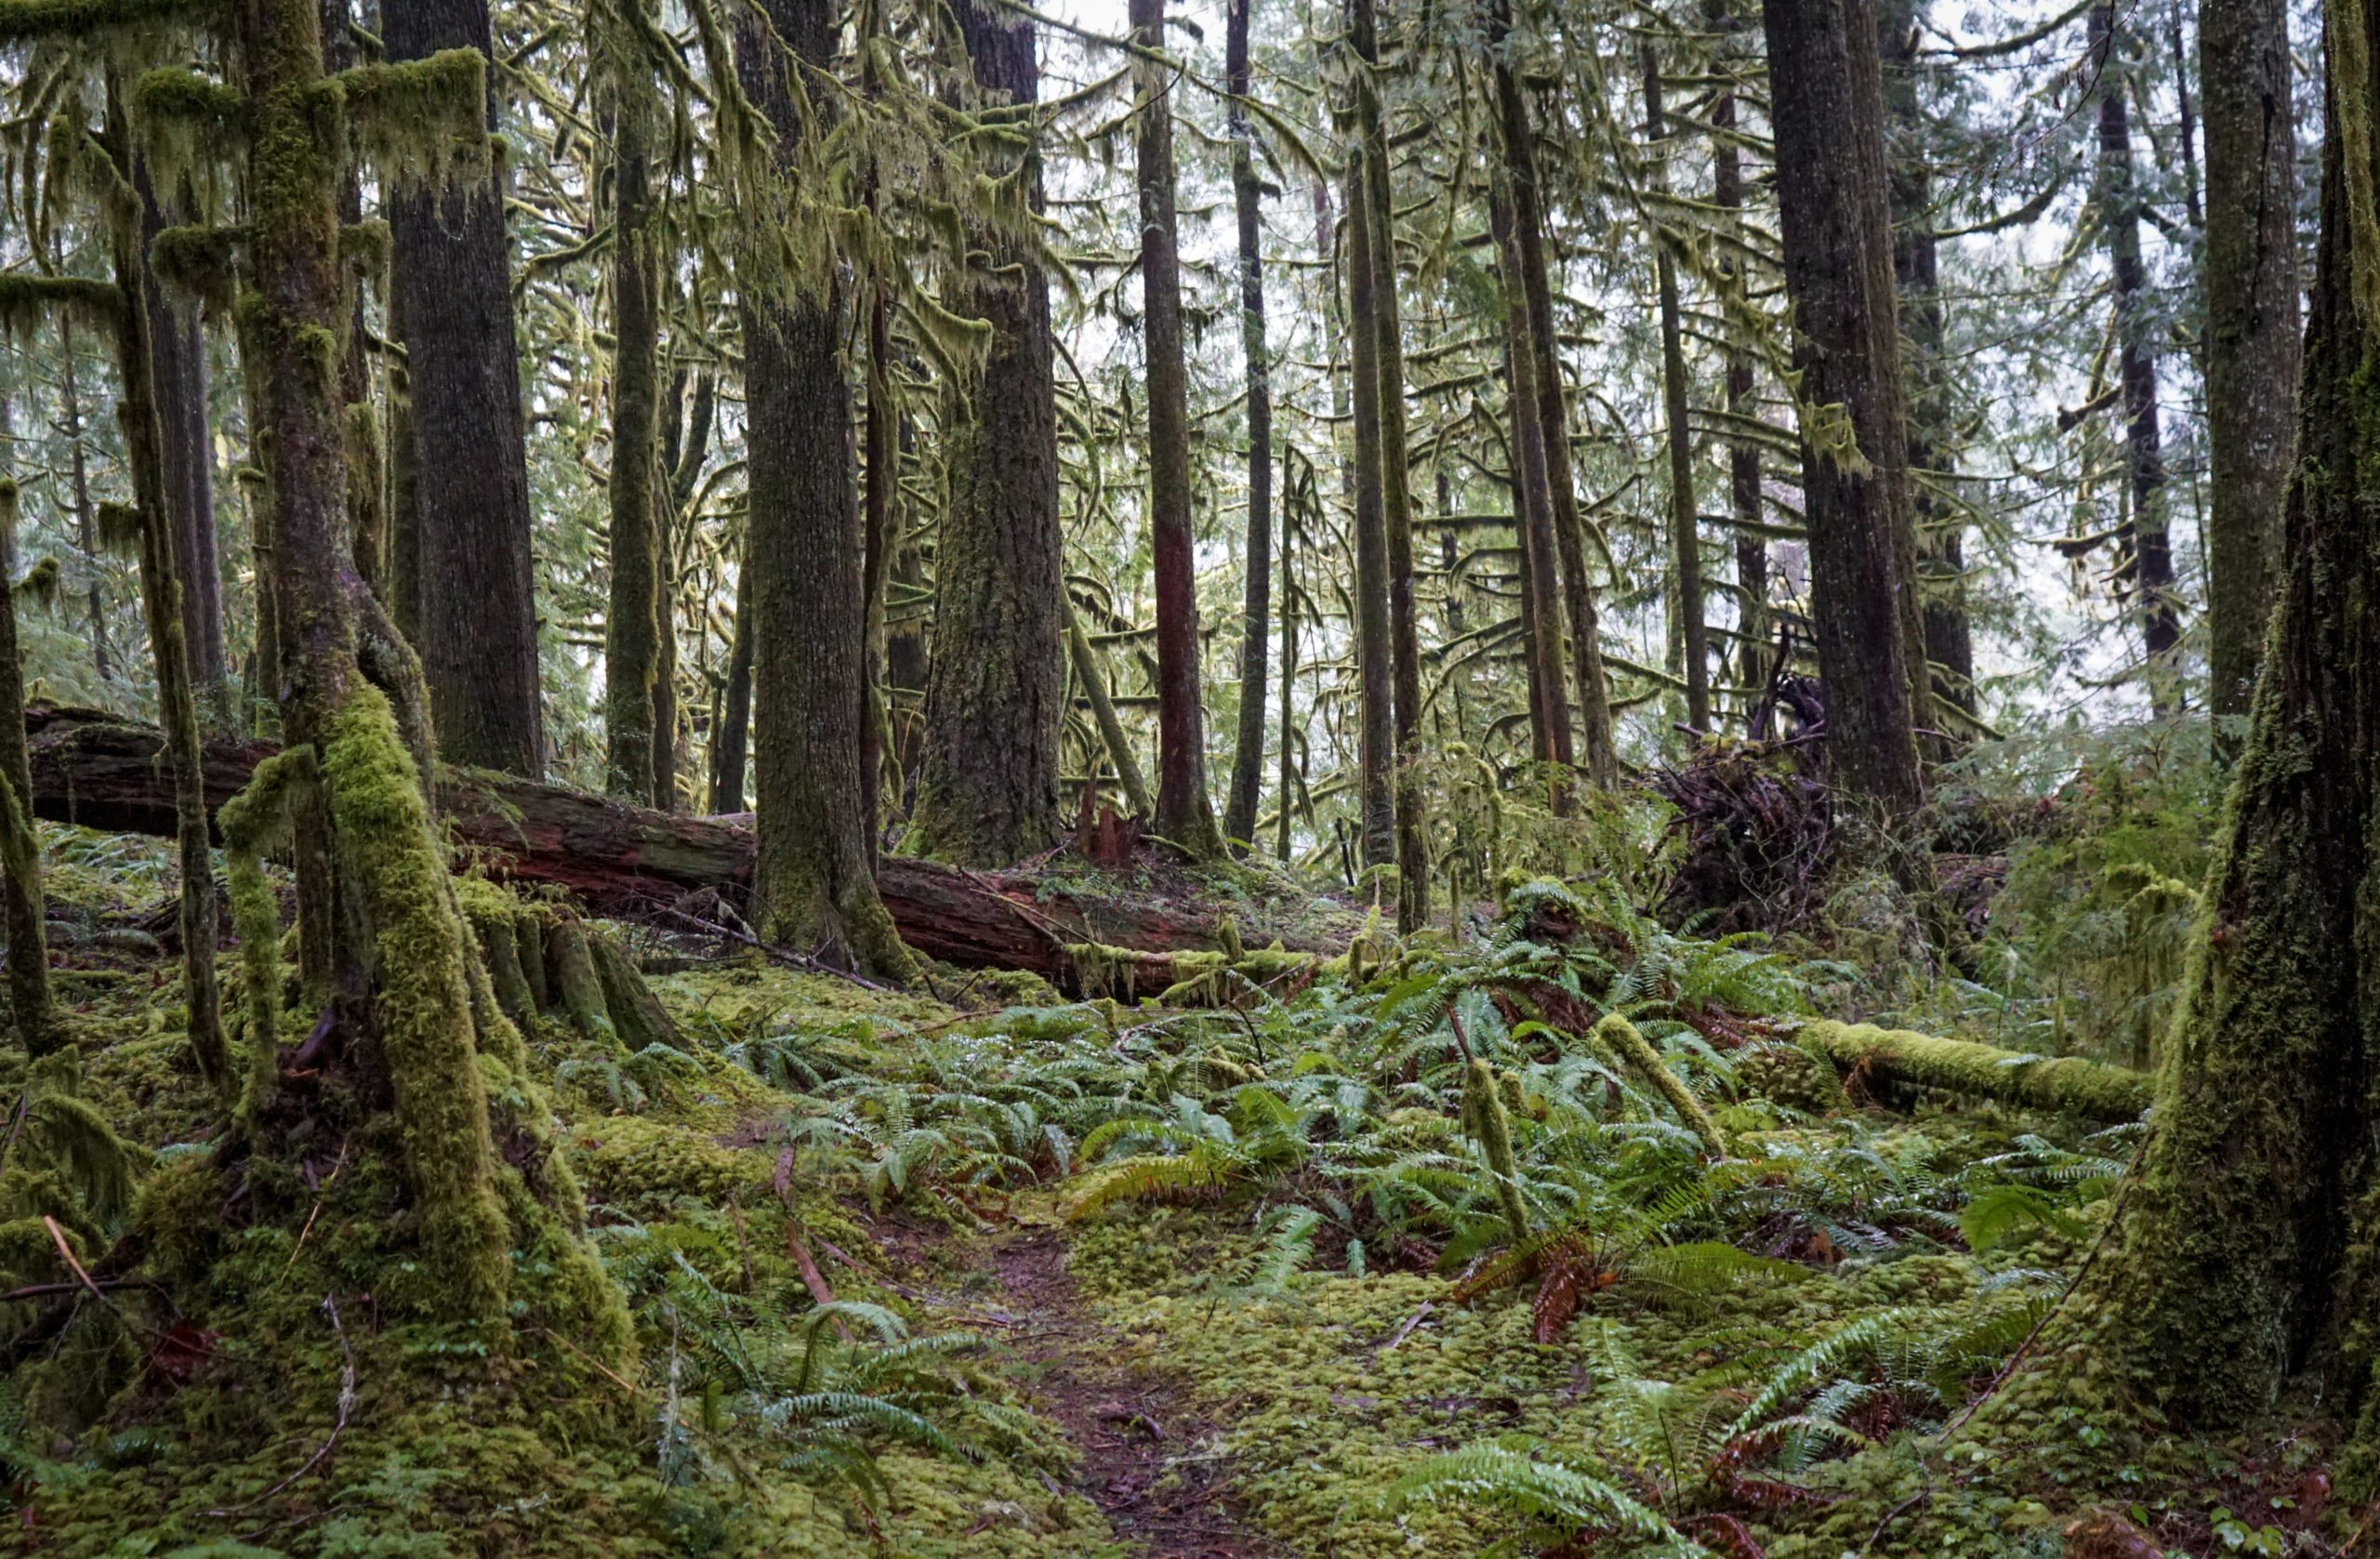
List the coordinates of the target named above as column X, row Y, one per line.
column 1187, row 1377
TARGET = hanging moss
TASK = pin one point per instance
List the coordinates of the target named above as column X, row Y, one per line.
column 1623, row 1039
column 29, row 302
column 23, row 19
column 421, row 123
column 2068, row 1084
column 397, row 869
column 200, row 262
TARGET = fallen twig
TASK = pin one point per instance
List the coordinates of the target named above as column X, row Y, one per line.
column 784, row 955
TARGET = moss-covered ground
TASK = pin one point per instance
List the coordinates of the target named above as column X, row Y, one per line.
column 1122, row 1279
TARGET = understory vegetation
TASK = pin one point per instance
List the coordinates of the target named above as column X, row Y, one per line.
column 1554, row 1235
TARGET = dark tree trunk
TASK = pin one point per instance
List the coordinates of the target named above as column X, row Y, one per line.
column 79, row 483
column 1685, row 532
column 30, row 1004
column 1830, row 197
column 632, row 621
column 2250, row 273
column 1941, row 544
column 988, row 794
column 403, row 575
column 815, row 886
column 469, row 464
column 881, row 487
column 1289, row 681
column 1248, row 752
column 1743, row 455
column 158, row 490
column 177, row 349
column 1598, row 751
column 2147, row 564
column 1533, row 511
column 731, row 743
column 681, row 469
column 1184, row 813
column 1375, row 653
column 2245, row 1254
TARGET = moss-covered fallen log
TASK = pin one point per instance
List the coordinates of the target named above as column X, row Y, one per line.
column 2068, row 1084
column 92, row 768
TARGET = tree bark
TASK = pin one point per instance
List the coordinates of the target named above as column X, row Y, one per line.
column 814, row 885
column 731, row 743
column 79, row 486
column 988, row 792
column 1941, row 542
column 1184, row 813
column 1831, row 194
column 451, row 278
column 21, row 915
column 1685, row 530
column 1248, row 751
column 1597, row 750
column 2146, row 564
column 1375, row 651
column 1534, row 511
column 1743, row 456
column 632, row 621
column 2250, row 273
column 2245, row 1255
column 177, row 349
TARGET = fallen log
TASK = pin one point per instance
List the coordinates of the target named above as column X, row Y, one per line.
column 92, row 768
column 2068, row 1084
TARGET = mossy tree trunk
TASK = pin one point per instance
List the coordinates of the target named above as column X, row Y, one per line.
column 1248, row 194
column 30, row 1001
column 731, row 746
column 160, row 491
column 1375, row 653
column 814, row 884
column 79, row 486
column 1396, row 468
column 681, row 469
column 2246, row 1256
column 1941, row 542
column 1516, row 141
column 987, row 791
column 476, row 578
column 1693, row 636
column 632, row 621
column 1184, row 812
column 1532, row 504
column 2249, row 274
column 1744, row 499
column 2146, row 562
column 1829, row 122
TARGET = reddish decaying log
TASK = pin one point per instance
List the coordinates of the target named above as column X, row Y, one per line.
column 91, row 769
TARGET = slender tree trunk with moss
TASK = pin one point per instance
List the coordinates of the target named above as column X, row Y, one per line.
column 147, row 443
column 2146, row 562
column 1941, row 543
column 475, row 574
column 1828, row 122
column 2249, row 274
column 1533, row 506
column 732, row 744
column 814, row 883
column 30, row 1001
column 1685, row 530
column 1289, row 684
column 681, row 469
column 1395, row 471
column 987, row 791
column 1598, row 751
column 1184, row 812
column 1093, row 676
column 79, row 486
column 2244, row 1257
column 1743, row 455
column 178, row 349
column 1375, row 652
column 1247, row 193
column 632, row 622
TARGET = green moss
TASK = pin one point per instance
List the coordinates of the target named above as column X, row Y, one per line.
column 254, row 822
column 577, row 989
column 2068, row 1084
column 1485, row 1118
column 1621, row 1037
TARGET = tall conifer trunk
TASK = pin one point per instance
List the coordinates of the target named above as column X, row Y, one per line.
column 814, row 883
column 1375, row 655
column 1941, row 544
column 1831, row 195
column 1248, row 753
column 632, row 623
column 1743, row 455
column 988, row 793
column 2252, row 334
column 2147, row 564
column 177, row 349
column 30, row 1006
column 1685, row 532
column 468, row 467
column 1184, row 812
column 2245, row 1254
column 1533, row 513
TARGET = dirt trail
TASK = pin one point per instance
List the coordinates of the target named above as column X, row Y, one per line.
column 1148, row 1456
